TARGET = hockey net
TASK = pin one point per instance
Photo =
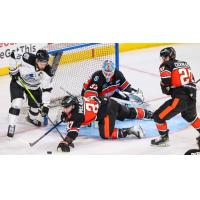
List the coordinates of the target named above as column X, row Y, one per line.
column 74, row 63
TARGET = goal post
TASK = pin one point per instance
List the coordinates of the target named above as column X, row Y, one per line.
column 76, row 62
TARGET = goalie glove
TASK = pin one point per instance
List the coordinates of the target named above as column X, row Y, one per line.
column 135, row 95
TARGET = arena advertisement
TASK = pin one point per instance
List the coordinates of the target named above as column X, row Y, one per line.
column 7, row 48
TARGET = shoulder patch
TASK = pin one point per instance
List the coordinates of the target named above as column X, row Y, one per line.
column 96, row 78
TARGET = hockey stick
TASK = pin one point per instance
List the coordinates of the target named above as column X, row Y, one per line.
column 56, row 128
column 66, row 91
column 38, row 105
column 25, row 87
column 36, row 141
column 197, row 81
column 56, row 60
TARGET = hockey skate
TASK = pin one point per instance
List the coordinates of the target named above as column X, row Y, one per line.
column 135, row 130
column 33, row 121
column 163, row 141
column 11, row 131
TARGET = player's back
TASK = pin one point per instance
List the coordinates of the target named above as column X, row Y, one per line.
column 179, row 72
column 89, row 107
column 179, row 76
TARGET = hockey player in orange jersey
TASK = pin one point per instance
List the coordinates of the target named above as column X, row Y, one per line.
column 177, row 81
column 83, row 111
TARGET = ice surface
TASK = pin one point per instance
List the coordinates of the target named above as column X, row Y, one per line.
column 141, row 69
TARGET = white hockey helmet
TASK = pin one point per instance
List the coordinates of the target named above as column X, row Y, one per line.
column 108, row 69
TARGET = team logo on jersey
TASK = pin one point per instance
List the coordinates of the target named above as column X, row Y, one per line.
column 31, row 75
column 96, row 78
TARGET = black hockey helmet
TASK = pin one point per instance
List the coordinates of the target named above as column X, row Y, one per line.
column 168, row 51
column 68, row 101
column 42, row 55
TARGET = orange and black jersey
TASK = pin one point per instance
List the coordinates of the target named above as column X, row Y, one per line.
column 176, row 75
column 97, row 85
column 84, row 113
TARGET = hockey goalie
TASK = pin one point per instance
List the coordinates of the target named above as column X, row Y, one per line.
column 110, row 82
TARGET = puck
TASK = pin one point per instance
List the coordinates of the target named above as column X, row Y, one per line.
column 49, row 152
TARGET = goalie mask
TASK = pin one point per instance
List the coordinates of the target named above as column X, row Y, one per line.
column 108, row 69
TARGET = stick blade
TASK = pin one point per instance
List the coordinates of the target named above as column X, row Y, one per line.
column 31, row 144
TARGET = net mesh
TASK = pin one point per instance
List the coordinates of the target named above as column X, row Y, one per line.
column 78, row 62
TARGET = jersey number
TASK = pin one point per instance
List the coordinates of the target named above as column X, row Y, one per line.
column 94, row 86
column 70, row 124
column 92, row 107
column 185, row 76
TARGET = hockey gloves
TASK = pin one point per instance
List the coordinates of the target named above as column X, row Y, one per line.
column 44, row 111
column 64, row 146
column 14, row 72
column 63, row 117
column 165, row 89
